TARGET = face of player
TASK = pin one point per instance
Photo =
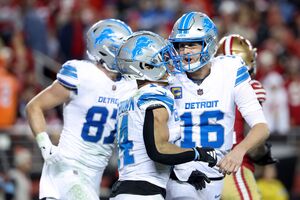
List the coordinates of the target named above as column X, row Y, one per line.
column 190, row 52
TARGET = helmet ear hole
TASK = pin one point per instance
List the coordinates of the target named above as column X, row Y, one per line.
column 141, row 66
column 149, row 66
column 103, row 54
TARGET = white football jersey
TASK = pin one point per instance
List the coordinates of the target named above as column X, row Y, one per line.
column 90, row 116
column 134, row 163
column 207, row 111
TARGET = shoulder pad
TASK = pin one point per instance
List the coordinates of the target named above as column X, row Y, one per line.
column 67, row 75
column 156, row 95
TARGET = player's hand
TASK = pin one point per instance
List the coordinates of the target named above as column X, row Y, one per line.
column 207, row 154
column 198, row 180
column 49, row 151
column 231, row 162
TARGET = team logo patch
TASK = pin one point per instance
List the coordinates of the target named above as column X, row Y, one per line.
column 177, row 92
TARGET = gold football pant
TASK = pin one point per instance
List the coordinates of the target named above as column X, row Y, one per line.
column 240, row 186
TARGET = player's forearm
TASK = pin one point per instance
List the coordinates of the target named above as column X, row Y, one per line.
column 35, row 118
column 158, row 148
column 256, row 136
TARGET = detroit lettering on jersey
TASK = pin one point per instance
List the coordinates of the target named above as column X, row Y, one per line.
column 126, row 106
column 108, row 100
column 203, row 104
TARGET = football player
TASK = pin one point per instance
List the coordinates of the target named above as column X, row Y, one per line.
column 148, row 121
column 206, row 96
column 89, row 92
column 242, row 185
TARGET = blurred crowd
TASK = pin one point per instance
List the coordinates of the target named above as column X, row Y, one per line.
column 57, row 29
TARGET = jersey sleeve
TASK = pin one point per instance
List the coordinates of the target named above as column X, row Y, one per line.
column 68, row 75
column 242, row 74
column 156, row 97
column 259, row 90
column 248, row 105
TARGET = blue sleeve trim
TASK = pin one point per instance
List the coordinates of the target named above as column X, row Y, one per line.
column 68, row 85
column 68, row 70
column 242, row 75
column 241, row 71
column 156, row 97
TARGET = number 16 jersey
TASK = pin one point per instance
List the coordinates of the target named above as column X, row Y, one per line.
column 207, row 111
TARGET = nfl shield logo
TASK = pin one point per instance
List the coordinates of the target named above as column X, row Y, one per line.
column 200, row 91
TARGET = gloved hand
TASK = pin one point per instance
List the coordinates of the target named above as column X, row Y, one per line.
column 267, row 158
column 198, row 180
column 49, row 151
column 206, row 154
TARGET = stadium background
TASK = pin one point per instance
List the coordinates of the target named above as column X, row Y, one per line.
column 37, row 36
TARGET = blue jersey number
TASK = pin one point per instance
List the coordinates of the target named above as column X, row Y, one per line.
column 205, row 129
column 125, row 144
column 91, row 122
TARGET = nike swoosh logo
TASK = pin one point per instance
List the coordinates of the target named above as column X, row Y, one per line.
column 217, row 196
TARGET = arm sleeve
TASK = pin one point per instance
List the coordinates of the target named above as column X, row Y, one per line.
column 68, row 76
column 153, row 153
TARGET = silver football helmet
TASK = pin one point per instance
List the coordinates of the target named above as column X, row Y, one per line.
column 104, row 39
column 147, row 56
column 195, row 27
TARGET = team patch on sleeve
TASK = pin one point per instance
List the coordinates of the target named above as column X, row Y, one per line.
column 160, row 98
column 242, row 75
column 177, row 92
column 67, row 76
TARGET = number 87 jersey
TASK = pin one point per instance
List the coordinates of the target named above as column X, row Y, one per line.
column 207, row 110
column 90, row 116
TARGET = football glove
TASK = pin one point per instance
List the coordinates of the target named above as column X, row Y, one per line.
column 206, row 154
column 49, row 151
column 267, row 158
column 198, row 180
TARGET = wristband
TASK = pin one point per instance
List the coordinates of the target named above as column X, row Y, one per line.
column 43, row 140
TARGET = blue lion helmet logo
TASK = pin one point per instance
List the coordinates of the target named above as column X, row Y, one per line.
column 207, row 24
column 105, row 34
column 141, row 43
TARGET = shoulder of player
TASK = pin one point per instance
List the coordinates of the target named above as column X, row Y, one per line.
column 230, row 66
column 155, row 89
column 228, row 62
column 79, row 64
column 73, row 72
column 153, row 94
column 256, row 85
